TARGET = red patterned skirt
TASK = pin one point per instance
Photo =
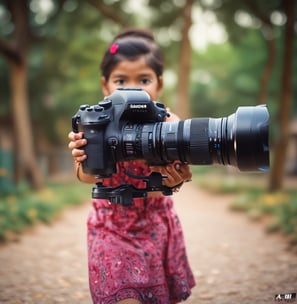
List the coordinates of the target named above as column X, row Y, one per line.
column 137, row 252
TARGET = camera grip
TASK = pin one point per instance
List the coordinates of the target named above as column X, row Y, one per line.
column 97, row 161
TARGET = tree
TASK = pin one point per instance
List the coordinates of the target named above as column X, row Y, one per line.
column 259, row 13
column 16, row 53
column 183, row 86
column 110, row 13
column 276, row 176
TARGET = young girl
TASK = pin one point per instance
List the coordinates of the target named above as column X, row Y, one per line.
column 137, row 253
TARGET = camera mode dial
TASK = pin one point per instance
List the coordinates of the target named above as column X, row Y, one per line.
column 106, row 103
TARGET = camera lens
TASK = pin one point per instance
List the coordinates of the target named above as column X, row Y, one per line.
column 239, row 140
column 247, row 136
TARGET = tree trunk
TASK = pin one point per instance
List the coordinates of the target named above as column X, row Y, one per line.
column 277, row 172
column 16, row 53
column 24, row 140
column 183, row 97
column 267, row 71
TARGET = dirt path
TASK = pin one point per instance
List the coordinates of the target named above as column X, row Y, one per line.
column 233, row 260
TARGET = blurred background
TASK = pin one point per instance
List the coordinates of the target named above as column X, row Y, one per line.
column 220, row 54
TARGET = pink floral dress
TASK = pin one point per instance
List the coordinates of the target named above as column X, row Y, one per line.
column 137, row 251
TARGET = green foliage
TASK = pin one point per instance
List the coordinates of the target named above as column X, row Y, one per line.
column 25, row 208
column 281, row 205
column 65, row 70
column 212, row 80
column 220, row 179
column 234, row 78
column 227, row 76
column 65, row 55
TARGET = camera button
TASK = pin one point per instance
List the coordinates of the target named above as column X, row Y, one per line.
column 98, row 108
column 83, row 107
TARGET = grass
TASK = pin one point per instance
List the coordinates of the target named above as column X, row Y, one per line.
column 252, row 197
column 23, row 208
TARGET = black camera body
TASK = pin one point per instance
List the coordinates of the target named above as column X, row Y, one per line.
column 128, row 125
column 105, row 124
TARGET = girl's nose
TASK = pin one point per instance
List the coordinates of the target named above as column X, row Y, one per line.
column 133, row 84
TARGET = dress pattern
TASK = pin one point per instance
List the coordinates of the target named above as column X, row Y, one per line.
column 137, row 251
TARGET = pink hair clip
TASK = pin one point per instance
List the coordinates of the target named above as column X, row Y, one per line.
column 113, row 49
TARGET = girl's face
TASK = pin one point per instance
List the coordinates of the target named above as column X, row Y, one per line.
column 133, row 74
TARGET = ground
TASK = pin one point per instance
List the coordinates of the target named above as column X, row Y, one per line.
column 233, row 259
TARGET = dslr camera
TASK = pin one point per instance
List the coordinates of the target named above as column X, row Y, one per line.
column 128, row 125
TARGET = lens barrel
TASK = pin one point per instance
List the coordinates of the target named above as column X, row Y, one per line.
column 240, row 140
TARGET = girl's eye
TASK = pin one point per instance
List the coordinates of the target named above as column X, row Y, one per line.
column 120, row 82
column 145, row 81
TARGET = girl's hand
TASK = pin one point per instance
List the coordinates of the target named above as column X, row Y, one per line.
column 176, row 173
column 76, row 142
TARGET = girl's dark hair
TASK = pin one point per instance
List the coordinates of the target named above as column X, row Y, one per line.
column 130, row 45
